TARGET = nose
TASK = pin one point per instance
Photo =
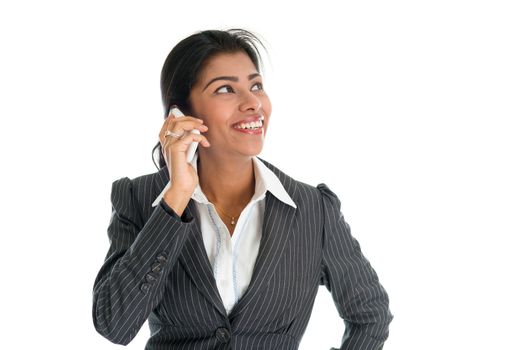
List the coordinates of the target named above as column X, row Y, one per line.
column 250, row 102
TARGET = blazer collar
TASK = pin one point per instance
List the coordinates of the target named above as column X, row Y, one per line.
column 266, row 180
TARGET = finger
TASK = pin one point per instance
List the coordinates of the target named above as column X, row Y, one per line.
column 177, row 125
column 180, row 146
column 172, row 121
column 176, row 149
column 186, row 117
column 186, row 125
column 162, row 133
column 181, row 132
column 168, row 125
column 190, row 138
column 169, row 121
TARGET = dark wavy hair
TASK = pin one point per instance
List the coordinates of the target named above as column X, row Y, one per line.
column 185, row 61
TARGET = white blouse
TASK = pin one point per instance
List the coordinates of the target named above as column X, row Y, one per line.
column 233, row 257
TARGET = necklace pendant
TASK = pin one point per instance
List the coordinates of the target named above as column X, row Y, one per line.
column 232, row 222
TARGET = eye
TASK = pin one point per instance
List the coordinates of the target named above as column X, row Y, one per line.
column 257, row 86
column 224, row 89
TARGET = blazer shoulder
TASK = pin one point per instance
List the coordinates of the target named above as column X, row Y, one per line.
column 141, row 182
column 146, row 180
column 302, row 192
column 144, row 189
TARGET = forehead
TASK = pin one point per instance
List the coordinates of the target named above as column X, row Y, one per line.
column 227, row 64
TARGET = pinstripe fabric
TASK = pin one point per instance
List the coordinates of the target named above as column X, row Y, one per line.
column 157, row 269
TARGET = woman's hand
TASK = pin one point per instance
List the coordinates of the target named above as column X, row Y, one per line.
column 183, row 176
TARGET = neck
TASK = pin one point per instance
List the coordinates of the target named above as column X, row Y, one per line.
column 228, row 183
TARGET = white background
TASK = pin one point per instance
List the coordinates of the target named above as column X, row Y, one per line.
column 410, row 111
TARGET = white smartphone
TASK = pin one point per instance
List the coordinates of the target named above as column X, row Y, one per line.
column 175, row 111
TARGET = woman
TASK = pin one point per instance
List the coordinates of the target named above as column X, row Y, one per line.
column 234, row 252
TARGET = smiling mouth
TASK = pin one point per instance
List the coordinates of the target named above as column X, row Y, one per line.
column 255, row 125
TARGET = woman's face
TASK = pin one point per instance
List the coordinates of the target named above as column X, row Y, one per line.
column 229, row 92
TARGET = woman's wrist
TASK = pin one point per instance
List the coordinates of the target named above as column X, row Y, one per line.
column 177, row 201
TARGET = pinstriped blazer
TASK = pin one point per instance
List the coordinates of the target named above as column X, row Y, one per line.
column 157, row 269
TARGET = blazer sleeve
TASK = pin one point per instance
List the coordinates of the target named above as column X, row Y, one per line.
column 130, row 283
column 360, row 299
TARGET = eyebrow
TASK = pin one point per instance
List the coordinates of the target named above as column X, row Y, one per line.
column 235, row 79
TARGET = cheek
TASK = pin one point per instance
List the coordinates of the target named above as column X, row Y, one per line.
column 203, row 111
column 215, row 116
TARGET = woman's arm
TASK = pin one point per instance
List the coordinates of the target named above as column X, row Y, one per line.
column 359, row 297
column 130, row 283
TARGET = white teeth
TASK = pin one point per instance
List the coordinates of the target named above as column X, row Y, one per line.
column 252, row 125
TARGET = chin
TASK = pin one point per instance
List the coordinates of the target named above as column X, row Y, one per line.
column 253, row 152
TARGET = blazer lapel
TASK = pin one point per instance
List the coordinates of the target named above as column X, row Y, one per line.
column 279, row 221
column 193, row 256
column 194, row 259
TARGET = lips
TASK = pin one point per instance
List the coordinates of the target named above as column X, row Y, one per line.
column 251, row 132
column 250, row 119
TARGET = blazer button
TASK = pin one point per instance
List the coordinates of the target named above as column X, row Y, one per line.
column 150, row 277
column 145, row 287
column 222, row 335
column 162, row 257
column 156, row 267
